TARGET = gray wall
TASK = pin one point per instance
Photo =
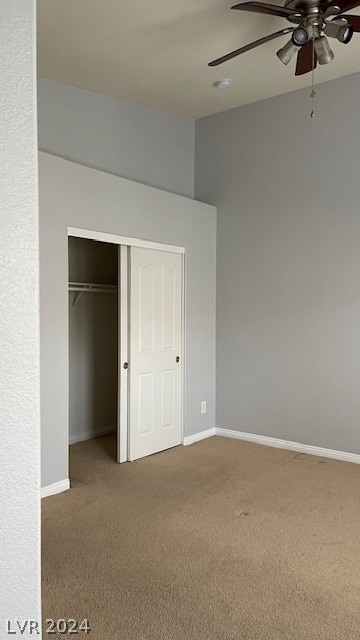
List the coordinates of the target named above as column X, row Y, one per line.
column 287, row 189
column 19, row 320
column 93, row 337
column 74, row 195
column 129, row 140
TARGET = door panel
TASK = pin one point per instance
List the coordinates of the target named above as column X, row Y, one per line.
column 146, row 403
column 168, row 308
column 146, row 308
column 167, row 402
column 155, row 345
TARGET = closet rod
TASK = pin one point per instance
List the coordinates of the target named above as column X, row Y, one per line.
column 87, row 287
column 92, row 287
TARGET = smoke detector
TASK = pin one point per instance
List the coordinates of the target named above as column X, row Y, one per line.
column 224, row 83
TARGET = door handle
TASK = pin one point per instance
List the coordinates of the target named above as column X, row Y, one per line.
column 177, row 358
column 126, row 365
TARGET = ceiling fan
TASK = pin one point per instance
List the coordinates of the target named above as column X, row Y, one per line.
column 315, row 21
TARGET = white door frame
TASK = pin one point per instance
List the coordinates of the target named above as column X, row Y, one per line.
column 124, row 242
column 122, row 421
column 112, row 238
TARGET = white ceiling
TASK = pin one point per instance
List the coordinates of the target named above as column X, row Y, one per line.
column 156, row 52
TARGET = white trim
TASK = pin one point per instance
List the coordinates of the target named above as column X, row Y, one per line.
column 201, row 435
column 53, row 489
column 183, row 344
column 123, row 355
column 289, row 445
column 89, row 435
column 112, row 238
column 277, row 443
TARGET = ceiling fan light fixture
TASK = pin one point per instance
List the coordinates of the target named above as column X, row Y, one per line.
column 300, row 36
column 323, row 50
column 287, row 52
column 340, row 30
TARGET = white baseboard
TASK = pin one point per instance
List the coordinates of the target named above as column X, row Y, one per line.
column 64, row 485
column 81, row 437
column 201, row 435
column 275, row 442
column 289, row 445
column 53, row 489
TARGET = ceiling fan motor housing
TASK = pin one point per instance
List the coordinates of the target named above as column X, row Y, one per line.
column 305, row 6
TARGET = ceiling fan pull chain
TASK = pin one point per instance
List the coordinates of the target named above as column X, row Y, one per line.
column 312, row 95
column 313, row 92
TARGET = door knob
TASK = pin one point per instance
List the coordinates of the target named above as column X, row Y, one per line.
column 126, row 365
column 177, row 359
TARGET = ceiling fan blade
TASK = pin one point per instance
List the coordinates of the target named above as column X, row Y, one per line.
column 354, row 21
column 270, row 9
column 345, row 5
column 306, row 59
column 252, row 45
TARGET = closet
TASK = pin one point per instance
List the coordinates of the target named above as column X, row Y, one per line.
column 125, row 346
column 93, row 339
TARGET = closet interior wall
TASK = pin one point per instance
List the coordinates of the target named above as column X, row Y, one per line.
column 93, row 340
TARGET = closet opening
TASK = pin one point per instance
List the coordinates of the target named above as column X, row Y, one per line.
column 93, row 350
column 126, row 349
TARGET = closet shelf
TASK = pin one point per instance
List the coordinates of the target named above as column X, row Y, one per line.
column 88, row 287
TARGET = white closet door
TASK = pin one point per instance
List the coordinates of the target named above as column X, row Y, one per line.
column 155, row 351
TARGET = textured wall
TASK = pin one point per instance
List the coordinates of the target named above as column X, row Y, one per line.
column 129, row 140
column 287, row 190
column 19, row 327
column 74, row 195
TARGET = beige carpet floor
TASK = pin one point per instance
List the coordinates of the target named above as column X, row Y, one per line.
column 222, row 540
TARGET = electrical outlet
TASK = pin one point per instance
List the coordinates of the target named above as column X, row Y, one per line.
column 203, row 407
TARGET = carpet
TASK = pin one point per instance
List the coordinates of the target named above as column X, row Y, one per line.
column 221, row 540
